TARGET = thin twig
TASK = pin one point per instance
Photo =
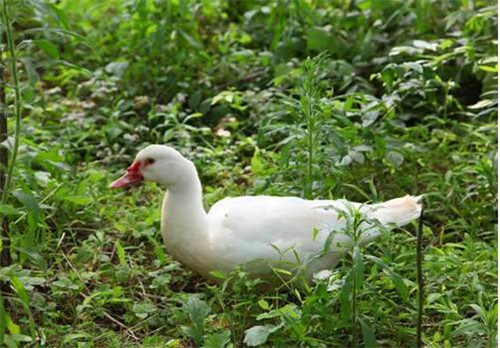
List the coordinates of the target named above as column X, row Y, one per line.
column 120, row 324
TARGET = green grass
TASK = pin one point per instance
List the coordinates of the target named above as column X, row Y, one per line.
column 397, row 97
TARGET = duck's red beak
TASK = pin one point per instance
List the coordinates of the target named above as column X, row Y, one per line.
column 132, row 176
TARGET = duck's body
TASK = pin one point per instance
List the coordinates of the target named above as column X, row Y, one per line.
column 254, row 231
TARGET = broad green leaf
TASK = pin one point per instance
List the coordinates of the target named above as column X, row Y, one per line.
column 218, row 340
column 48, row 48
column 257, row 335
column 320, row 39
column 144, row 309
column 197, row 310
column 264, row 304
column 30, row 202
column 395, row 158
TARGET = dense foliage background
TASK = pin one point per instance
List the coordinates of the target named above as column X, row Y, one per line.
column 362, row 99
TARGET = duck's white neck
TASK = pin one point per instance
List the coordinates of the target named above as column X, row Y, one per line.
column 184, row 224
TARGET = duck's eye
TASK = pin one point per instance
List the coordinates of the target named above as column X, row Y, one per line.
column 149, row 161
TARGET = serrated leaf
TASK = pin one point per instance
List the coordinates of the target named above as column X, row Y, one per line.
column 197, row 310
column 218, row 340
column 121, row 253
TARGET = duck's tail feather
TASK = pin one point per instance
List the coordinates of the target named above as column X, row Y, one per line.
column 398, row 211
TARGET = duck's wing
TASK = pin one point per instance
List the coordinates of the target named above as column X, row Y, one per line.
column 282, row 221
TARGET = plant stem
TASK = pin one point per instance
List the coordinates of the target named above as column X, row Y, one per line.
column 310, row 146
column 354, row 306
column 4, row 162
column 420, row 280
column 17, row 100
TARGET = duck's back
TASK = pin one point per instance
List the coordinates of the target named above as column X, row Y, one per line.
column 263, row 227
column 246, row 228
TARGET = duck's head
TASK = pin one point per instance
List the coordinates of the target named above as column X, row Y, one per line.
column 157, row 163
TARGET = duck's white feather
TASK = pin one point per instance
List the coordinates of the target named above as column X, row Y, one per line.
column 246, row 228
column 257, row 230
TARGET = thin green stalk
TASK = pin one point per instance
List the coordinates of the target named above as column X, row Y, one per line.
column 310, row 146
column 420, row 280
column 354, row 306
column 17, row 100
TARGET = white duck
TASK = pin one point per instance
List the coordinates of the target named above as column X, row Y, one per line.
column 237, row 231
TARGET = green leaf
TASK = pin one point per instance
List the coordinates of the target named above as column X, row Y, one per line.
column 23, row 295
column 144, row 309
column 197, row 310
column 7, row 209
column 345, row 299
column 359, row 267
column 35, row 257
column 117, row 68
column 482, row 104
column 218, row 275
column 395, row 158
column 30, row 71
column 264, row 304
column 218, row 340
column 30, row 202
column 257, row 335
column 121, row 253
column 320, row 39
column 315, row 233
column 78, row 200
column 48, row 48
column 28, row 94
column 368, row 335
column 76, row 336
column 397, row 280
